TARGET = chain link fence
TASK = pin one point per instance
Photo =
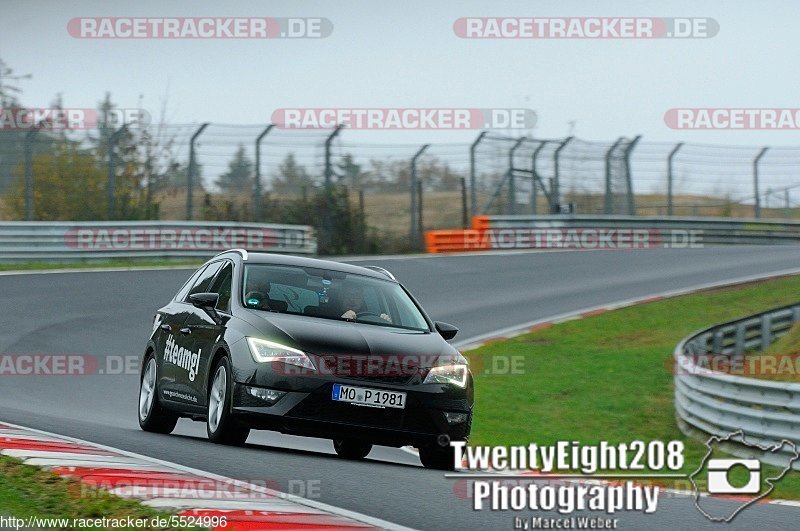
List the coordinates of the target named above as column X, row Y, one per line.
column 386, row 193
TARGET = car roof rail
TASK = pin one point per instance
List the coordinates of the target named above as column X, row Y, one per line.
column 242, row 252
column 381, row 270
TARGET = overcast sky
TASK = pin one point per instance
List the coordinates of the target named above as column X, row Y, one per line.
column 406, row 54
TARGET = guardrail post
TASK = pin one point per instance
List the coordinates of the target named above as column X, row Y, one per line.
column 795, row 314
column 414, row 230
column 766, row 331
column 512, row 185
column 757, row 206
column 739, row 340
column 112, row 171
column 259, row 193
column 192, row 171
column 628, row 178
column 608, row 199
column 555, row 189
column 716, row 339
column 535, row 176
column 669, row 176
column 29, row 138
column 473, row 193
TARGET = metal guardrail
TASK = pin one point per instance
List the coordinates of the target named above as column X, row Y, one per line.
column 709, row 402
column 555, row 231
column 711, row 230
column 70, row 241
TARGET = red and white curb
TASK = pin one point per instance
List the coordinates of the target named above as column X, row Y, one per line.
column 176, row 488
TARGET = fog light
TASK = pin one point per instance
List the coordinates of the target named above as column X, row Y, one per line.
column 455, row 418
column 270, row 396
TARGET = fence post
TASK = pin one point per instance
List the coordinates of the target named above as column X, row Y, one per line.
column 535, row 176
column 628, row 179
column 420, row 224
column 191, row 172
column 112, row 171
column 29, row 137
column 259, row 193
column 328, row 166
column 414, row 230
column 555, row 190
column 757, row 206
column 607, row 200
column 669, row 176
column 464, row 213
column 786, row 203
column 473, row 204
column 512, row 185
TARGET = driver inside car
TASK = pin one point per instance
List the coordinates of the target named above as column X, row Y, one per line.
column 258, row 296
column 353, row 303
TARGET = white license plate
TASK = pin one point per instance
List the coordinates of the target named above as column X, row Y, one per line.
column 368, row 397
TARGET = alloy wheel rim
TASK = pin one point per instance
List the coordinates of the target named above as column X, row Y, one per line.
column 216, row 401
column 148, row 389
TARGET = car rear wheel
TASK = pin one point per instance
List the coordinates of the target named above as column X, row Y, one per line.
column 221, row 426
column 437, row 457
column 152, row 416
column 351, row 449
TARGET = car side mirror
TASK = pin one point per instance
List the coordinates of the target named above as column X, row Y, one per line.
column 446, row 330
column 208, row 303
column 204, row 300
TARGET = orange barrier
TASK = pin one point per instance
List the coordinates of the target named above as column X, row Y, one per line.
column 454, row 241
column 481, row 222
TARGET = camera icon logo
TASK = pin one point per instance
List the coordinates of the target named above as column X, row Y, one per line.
column 719, row 481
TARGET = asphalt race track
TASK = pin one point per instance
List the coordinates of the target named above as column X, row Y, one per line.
column 109, row 314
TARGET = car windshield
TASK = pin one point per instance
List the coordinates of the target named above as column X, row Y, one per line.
column 329, row 294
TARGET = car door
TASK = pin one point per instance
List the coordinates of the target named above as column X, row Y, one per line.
column 205, row 332
column 179, row 358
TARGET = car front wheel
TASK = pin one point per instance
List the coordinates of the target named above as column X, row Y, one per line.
column 351, row 449
column 221, row 426
column 437, row 458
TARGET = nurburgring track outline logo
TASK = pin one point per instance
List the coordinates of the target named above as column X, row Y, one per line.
column 768, row 480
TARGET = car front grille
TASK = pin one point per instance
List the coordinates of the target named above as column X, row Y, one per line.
column 379, row 372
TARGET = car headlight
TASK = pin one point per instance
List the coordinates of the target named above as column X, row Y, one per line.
column 448, row 374
column 264, row 351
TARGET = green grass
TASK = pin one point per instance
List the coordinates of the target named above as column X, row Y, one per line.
column 608, row 377
column 31, row 491
column 36, row 266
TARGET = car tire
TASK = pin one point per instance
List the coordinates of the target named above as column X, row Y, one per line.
column 152, row 415
column 436, row 457
column 221, row 426
column 351, row 449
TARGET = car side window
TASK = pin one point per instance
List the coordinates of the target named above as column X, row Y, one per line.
column 203, row 282
column 184, row 291
column 223, row 286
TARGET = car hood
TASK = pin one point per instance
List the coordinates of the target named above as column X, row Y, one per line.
column 327, row 338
